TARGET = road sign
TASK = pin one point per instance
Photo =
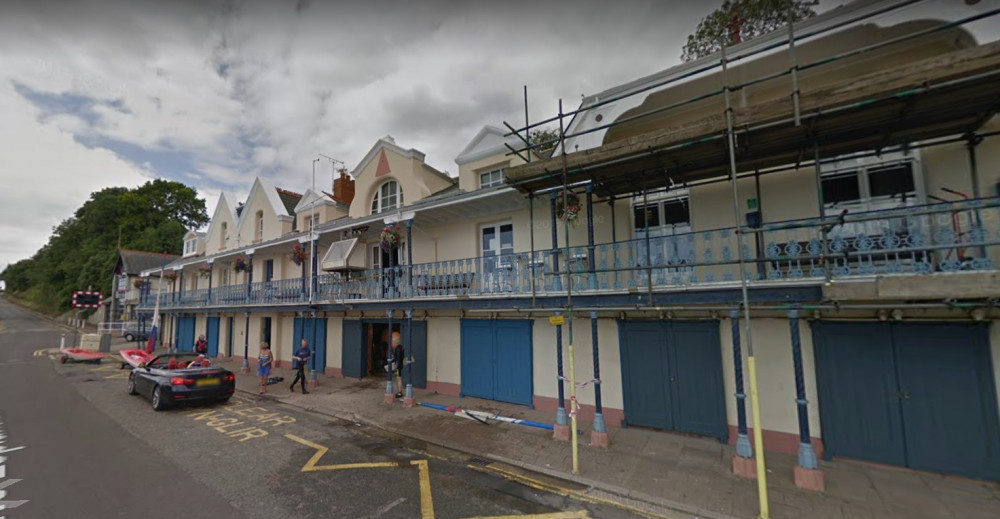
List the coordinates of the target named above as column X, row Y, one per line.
column 87, row 299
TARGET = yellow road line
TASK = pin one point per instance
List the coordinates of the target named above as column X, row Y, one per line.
column 426, row 500
column 565, row 492
column 554, row 515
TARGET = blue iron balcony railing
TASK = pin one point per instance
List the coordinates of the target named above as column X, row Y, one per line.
column 925, row 239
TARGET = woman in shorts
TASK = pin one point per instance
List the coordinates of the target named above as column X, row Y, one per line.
column 264, row 360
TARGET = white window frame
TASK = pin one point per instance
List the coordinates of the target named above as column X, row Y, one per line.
column 260, row 225
column 190, row 246
column 860, row 168
column 375, row 255
column 377, row 205
column 495, row 178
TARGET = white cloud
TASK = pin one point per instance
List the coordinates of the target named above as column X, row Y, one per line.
column 213, row 94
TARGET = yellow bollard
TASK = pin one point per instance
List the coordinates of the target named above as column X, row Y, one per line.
column 758, row 439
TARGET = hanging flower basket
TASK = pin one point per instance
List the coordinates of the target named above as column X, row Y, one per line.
column 139, row 282
column 390, row 238
column 298, row 254
column 568, row 210
column 204, row 270
column 171, row 275
column 240, row 264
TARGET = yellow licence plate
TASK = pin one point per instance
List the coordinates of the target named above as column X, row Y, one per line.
column 207, row 382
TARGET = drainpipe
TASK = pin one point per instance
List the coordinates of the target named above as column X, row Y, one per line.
column 807, row 456
column 556, row 282
column 304, row 294
column 743, row 447
column 599, row 436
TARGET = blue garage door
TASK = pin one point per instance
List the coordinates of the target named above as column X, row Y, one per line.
column 185, row 334
column 672, row 376
column 212, row 336
column 314, row 331
column 497, row 360
column 919, row 395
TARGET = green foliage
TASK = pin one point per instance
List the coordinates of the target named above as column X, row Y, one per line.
column 83, row 249
column 545, row 140
column 753, row 17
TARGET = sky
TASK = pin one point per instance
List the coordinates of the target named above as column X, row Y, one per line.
column 95, row 94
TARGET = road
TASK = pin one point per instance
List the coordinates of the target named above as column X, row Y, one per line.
column 91, row 450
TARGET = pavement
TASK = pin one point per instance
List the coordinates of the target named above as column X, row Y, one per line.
column 660, row 474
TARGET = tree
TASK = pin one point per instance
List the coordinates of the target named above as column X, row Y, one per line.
column 83, row 249
column 739, row 20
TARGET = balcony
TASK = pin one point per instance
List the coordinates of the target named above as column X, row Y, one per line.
column 915, row 240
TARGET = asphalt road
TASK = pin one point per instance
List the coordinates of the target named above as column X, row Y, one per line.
column 91, row 450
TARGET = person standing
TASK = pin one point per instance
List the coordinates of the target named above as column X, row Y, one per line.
column 397, row 363
column 201, row 345
column 264, row 361
column 299, row 362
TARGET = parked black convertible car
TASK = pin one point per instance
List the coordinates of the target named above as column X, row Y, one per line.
column 176, row 378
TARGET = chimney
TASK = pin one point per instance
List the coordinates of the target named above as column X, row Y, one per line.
column 343, row 188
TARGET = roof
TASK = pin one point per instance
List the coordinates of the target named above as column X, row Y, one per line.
column 949, row 94
column 389, row 143
column 289, row 199
column 133, row 261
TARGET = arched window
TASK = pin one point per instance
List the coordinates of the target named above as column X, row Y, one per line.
column 388, row 196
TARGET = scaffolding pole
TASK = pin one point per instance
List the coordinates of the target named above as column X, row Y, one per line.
column 758, row 438
column 573, row 405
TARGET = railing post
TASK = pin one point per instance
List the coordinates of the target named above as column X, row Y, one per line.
column 592, row 276
column 556, row 282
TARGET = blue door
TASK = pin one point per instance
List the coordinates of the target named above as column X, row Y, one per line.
column 672, row 376
column 416, row 353
column 497, row 360
column 185, row 333
column 314, row 331
column 920, row 395
column 212, row 336
column 353, row 357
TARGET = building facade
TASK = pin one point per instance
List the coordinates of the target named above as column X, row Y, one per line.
column 838, row 217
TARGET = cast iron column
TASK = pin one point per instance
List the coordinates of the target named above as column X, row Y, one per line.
column 315, row 348
column 592, row 277
column 561, row 410
column 598, row 412
column 388, row 384
column 406, row 345
column 743, row 447
column 409, row 264
column 314, row 261
column 305, row 288
column 246, row 344
column 556, row 282
column 807, row 456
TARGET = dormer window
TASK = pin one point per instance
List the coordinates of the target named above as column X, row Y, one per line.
column 388, row 196
column 491, row 178
column 190, row 246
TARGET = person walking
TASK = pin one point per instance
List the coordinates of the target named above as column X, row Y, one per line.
column 264, row 361
column 299, row 362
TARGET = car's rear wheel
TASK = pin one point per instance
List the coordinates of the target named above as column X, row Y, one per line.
column 131, row 385
column 158, row 403
column 129, row 337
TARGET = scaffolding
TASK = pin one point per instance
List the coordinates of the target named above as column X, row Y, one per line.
column 927, row 100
